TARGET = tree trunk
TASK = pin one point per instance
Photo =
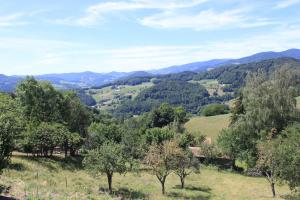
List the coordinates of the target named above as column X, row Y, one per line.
column 273, row 189
column 72, row 152
column 233, row 167
column 162, row 181
column 66, row 148
column 109, row 180
column 163, row 187
column 182, row 182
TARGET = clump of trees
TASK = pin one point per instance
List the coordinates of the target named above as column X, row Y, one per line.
column 266, row 108
column 39, row 118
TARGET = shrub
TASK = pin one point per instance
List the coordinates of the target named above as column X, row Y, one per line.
column 215, row 109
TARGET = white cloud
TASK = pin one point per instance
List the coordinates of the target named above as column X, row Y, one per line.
column 47, row 56
column 97, row 12
column 286, row 3
column 205, row 20
column 12, row 20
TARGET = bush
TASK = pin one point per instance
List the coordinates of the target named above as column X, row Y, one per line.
column 215, row 109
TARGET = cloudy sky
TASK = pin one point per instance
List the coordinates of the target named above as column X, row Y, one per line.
column 55, row 36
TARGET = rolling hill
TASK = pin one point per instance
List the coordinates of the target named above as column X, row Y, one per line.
column 212, row 64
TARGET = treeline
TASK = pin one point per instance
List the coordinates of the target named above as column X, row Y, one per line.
column 189, row 95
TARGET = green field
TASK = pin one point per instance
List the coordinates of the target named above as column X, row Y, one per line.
column 298, row 102
column 209, row 126
column 54, row 179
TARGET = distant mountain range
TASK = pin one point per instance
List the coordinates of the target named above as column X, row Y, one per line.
column 90, row 79
column 211, row 64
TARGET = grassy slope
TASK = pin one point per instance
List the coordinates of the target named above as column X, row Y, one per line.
column 209, row 126
column 52, row 176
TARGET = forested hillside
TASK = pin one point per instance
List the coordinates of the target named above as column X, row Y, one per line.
column 235, row 75
column 192, row 96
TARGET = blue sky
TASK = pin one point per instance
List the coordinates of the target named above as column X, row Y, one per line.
column 55, row 36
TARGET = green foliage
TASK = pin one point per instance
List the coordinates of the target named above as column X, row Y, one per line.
column 134, row 145
column 100, row 133
column 159, row 135
column 46, row 137
column 8, row 132
column 227, row 140
column 187, row 139
column 215, row 109
column 10, row 128
column 40, row 101
column 269, row 104
column 43, row 107
column 288, row 156
column 75, row 114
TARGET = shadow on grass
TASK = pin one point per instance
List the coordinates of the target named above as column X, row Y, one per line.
column 177, row 195
column 182, row 194
column 4, row 189
column 194, row 188
column 17, row 166
column 291, row 196
column 6, row 198
column 70, row 163
column 125, row 193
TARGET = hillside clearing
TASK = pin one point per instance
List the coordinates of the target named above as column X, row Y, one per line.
column 54, row 179
column 209, row 126
column 109, row 97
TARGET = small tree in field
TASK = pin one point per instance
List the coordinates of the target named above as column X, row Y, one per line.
column 186, row 164
column 161, row 158
column 107, row 159
column 267, row 162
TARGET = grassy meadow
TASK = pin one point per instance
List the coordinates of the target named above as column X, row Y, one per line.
column 43, row 178
column 209, row 126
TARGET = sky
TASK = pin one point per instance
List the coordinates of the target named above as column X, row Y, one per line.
column 58, row 36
